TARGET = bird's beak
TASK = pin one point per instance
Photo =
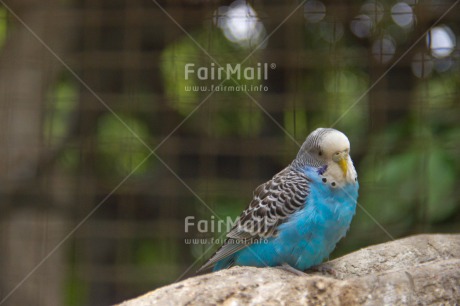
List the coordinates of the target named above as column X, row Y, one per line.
column 341, row 158
column 343, row 165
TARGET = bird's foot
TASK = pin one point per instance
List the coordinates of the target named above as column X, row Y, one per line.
column 324, row 269
column 293, row 270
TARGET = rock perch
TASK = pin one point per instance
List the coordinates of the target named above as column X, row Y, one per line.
column 418, row 270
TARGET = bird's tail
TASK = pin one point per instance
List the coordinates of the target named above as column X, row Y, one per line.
column 216, row 266
column 224, row 264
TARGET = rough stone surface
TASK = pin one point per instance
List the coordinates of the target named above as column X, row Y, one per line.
column 419, row 270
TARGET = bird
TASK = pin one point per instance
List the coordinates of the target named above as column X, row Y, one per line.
column 295, row 220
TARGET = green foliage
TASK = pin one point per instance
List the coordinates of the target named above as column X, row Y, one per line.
column 76, row 290
column 61, row 104
column 441, row 182
column 231, row 207
column 329, row 94
column 121, row 152
column 154, row 252
column 438, row 92
column 399, row 187
column 343, row 88
column 295, row 121
column 69, row 159
column 229, row 106
column 3, row 25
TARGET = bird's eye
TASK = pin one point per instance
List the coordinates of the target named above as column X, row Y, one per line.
column 320, row 153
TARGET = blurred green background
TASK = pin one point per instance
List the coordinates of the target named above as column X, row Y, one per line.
column 106, row 147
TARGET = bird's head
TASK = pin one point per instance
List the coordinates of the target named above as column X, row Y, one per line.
column 327, row 147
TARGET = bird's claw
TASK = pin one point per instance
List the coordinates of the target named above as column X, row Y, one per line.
column 324, row 269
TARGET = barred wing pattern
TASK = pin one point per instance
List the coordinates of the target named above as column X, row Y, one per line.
column 273, row 202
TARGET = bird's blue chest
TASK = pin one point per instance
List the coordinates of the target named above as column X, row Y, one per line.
column 311, row 234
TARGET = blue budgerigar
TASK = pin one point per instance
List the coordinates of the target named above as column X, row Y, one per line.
column 296, row 219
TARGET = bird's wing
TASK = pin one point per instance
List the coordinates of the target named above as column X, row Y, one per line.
column 273, row 202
